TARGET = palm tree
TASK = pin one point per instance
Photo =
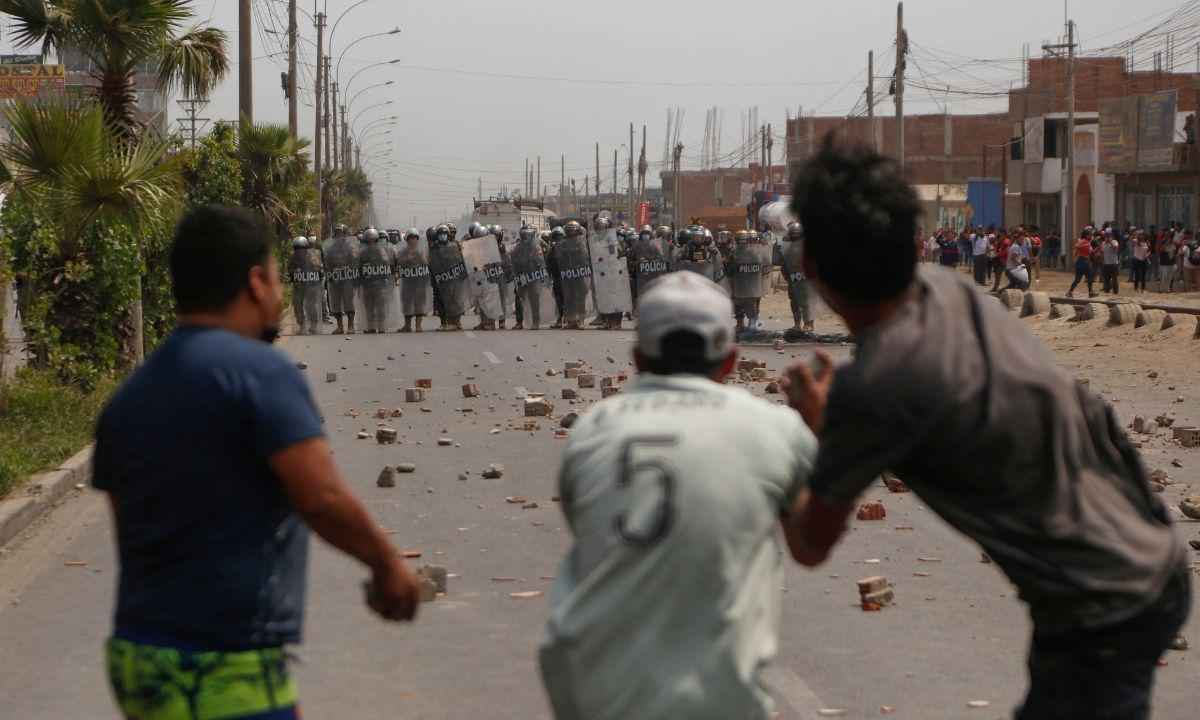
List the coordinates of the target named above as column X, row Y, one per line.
column 63, row 155
column 274, row 164
column 119, row 37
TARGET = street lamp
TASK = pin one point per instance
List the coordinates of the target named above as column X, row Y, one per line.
column 361, row 70
column 339, row 21
column 367, row 109
column 390, row 119
column 350, row 102
column 338, row 72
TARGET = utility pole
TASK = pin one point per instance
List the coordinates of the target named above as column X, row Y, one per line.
column 334, row 108
column 630, row 216
column 526, row 191
column 762, row 155
column 328, row 137
column 770, row 155
column 293, row 116
column 901, row 52
column 615, row 188
column 678, row 214
column 642, row 167
column 541, row 188
column 245, row 65
column 597, row 172
column 562, row 183
column 345, row 145
column 1069, row 185
column 191, row 124
column 870, row 99
column 317, row 120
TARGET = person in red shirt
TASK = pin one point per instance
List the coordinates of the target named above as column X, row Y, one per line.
column 1035, row 253
column 1001, row 260
column 1083, row 264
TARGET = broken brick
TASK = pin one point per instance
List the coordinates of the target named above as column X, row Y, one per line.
column 414, row 395
column 425, row 383
column 871, row 511
column 470, row 391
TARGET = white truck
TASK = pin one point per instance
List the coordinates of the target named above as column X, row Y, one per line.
column 512, row 213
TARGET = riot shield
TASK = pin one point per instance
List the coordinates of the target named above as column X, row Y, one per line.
column 532, row 284
column 575, row 274
column 751, row 263
column 700, row 260
column 508, row 297
column 341, row 267
column 306, row 274
column 485, row 272
column 610, row 273
column 449, row 280
column 378, row 287
column 414, row 291
column 652, row 260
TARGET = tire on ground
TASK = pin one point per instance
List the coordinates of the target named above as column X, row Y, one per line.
column 1035, row 304
column 1123, row 314
column 1153, row 318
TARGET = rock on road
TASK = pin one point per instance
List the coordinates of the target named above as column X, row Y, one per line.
column 955, row 634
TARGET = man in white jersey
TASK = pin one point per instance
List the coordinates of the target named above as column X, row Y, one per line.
column 667, row 605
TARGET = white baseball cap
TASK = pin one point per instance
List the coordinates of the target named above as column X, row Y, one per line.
column 685, row 301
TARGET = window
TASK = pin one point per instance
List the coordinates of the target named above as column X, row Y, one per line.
column 1175, row 204
column 1137, row 208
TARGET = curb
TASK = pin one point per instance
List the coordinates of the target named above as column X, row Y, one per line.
column 41, row 493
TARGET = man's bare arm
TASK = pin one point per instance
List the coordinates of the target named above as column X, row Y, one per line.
column 320, row 496
column 812, row 527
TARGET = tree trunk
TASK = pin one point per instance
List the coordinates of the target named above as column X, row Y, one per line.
column 139, row 328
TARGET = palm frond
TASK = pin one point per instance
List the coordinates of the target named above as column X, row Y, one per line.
column 195, row 61
column 43, row 22
column 129, row 29
column 134, row 184
column 49, row 137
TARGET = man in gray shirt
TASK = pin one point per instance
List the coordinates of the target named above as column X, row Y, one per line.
column 959, row 399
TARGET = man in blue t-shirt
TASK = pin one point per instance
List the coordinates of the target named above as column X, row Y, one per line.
column 216, row 466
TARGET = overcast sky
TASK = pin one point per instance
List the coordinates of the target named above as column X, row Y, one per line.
column 602, row 65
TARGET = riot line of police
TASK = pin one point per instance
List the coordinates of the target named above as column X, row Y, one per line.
column 574, row 275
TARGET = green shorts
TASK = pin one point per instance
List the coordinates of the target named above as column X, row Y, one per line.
column 162, row 683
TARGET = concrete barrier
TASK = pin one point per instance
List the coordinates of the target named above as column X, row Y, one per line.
column 1123, row 314
column 1152, row 318
column 1035, row 304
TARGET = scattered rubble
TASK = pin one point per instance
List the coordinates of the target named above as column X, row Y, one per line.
column 772, row 388
column 414, row 395
column 470, row 391
column 871, row 511
column 568, row 420
column 386, row 436
column 435, row 573
column 1190, row 507
column 570, row 394
column 387, row 477
column 302, row 365
column 363, row 435
column 538, row 406
column 445, row 442
column 894, row 484
column 493, row 472
column 424, row 383
column 406, row 468
column 330, row 377
column 609, row 391
column 875, row 593
column 587, row 380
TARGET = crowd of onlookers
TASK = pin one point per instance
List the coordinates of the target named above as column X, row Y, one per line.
column 1169, row 257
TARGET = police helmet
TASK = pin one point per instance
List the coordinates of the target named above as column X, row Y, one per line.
column 743, row 236
column 370, row 235
column 411, row 233
column 527, row 233
column 341, row 229
column 300, row 242
column 663, row 231
column 795, row 231
column 558, row 233
column 497, row 230
column 603, row 223
column 573, row 229
column 476, row 230
column 441, row 234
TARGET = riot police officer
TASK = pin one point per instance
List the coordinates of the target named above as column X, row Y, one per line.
column 306, row 275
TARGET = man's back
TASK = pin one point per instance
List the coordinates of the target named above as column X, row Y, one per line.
column 211, row 554
column 1007, row 448
column 668, row 604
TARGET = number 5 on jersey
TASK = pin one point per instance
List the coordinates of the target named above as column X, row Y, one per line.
column 641, row 471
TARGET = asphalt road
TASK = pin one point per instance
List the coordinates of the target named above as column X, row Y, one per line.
column 956, row 634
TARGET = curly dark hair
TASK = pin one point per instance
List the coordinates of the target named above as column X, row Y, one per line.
column 860, row 218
